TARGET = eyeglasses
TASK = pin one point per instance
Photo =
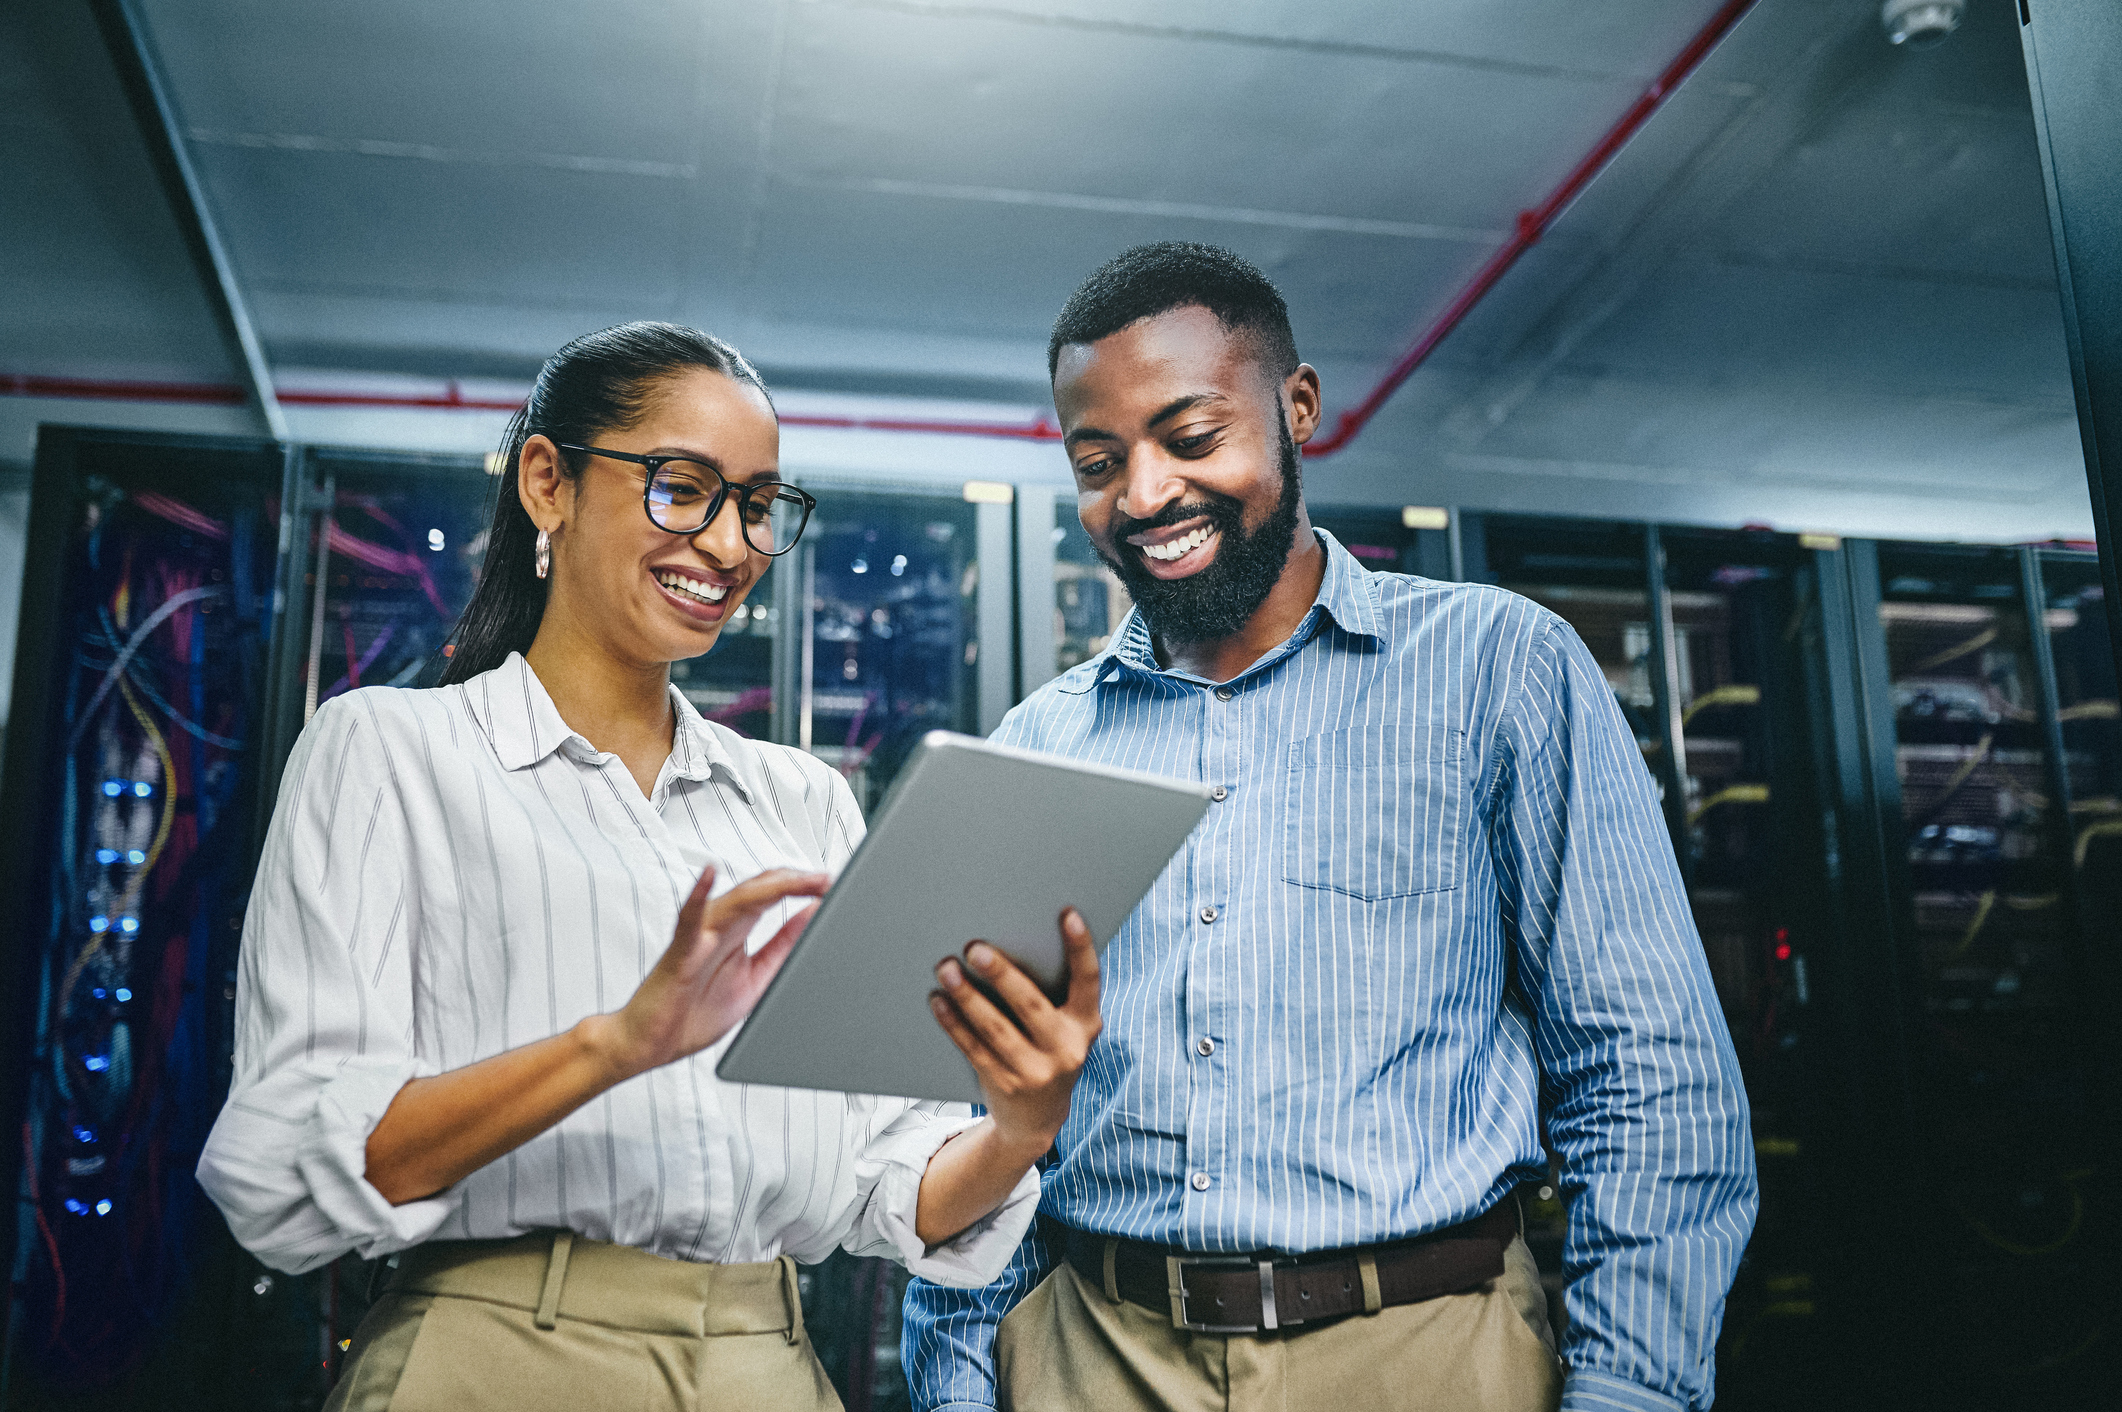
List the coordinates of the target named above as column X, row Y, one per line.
column 683, row 496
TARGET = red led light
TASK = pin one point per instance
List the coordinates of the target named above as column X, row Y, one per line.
column 1783, row 951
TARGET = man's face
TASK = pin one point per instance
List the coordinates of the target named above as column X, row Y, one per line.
column 1187, row 475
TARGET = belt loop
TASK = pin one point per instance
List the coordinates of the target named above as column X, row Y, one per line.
column 548, row 1315
column 1373, row 1300
column 792, row 1296
column 1112, row 1269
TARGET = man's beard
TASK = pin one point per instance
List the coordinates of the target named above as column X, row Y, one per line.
column 1220, row 599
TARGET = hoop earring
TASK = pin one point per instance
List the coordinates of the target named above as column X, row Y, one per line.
column 542, row 557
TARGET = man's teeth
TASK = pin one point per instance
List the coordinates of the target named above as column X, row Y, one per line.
column 693, row 588
column 1179, row 546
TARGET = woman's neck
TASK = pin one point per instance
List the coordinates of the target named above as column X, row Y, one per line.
column 619, row 707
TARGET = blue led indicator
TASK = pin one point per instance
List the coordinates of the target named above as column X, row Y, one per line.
column 114, row 788
column 75, row 1208
column 96, row 1063
column 135, row 857
column 128, row 925
column 142, row 789
column 124, row 995
column 99, row 924
column 84, row 1135
column 103, row 1207
column 106, row 855
column 99, row 992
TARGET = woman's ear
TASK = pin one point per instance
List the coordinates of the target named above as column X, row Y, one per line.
column 539, row 477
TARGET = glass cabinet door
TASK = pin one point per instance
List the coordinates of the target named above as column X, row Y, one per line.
column 2002, row 1087
column 399, row 556
column 889, row 645
column 1090, row 602
column 2075, row 618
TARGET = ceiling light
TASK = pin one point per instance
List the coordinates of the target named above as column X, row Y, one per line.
column 1921, row 23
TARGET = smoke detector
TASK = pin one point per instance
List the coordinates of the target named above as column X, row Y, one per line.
column 1921, row 23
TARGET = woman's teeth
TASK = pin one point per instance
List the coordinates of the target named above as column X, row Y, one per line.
column 1179, row 546
column 693, row 588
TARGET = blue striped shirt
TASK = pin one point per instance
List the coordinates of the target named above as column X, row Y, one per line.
column 1435, row 914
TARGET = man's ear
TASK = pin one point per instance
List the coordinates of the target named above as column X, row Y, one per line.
column 539, row 478
column 1301, row 390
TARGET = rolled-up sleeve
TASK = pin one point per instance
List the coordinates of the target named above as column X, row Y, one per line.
column 324, row 1027
column 888, row 1170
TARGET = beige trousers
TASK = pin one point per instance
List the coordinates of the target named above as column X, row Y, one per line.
column 1486, row 1350
column 559, row 1322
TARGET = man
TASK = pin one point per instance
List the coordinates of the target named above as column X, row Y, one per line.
column 1431, row 918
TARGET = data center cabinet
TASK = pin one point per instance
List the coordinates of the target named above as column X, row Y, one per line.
column 188, row 604
column 2005, row 759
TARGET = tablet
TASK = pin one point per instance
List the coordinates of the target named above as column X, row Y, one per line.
column 974, row 842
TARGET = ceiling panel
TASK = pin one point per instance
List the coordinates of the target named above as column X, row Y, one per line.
column 1613, row 37
column 639, row 80
column 345, row 223
column 979, row 102
column 96, row 280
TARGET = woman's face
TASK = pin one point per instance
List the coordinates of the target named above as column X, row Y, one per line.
column 649, row 595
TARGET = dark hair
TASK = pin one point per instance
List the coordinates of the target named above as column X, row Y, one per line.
column 1172, row 274
column 601, row 382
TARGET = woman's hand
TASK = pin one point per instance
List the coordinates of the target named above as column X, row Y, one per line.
column 438, row 1131
column 705, row 983
column 1027, row 1066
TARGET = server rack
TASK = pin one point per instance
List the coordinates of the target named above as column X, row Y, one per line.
column 1931, row 1089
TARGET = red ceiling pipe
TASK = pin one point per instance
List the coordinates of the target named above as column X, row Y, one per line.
column 453, row 399
column 1531, row 225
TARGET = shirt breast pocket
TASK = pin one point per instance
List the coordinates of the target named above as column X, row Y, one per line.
column 1376, row 816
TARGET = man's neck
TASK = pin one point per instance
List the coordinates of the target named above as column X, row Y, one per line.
column 1271, row 623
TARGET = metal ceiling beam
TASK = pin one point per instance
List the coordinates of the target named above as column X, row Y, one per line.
column 133, row 55
column 2073, row 54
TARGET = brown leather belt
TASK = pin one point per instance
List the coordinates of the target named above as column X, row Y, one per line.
column 1249, row 1294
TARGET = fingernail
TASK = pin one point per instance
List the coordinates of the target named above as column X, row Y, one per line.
column 947, row 973
column 935, row 1004
column 980, row 954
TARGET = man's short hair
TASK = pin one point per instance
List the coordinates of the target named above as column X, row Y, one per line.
column 1174, row 274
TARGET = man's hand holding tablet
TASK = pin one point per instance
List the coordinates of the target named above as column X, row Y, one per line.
column 1026, row 1056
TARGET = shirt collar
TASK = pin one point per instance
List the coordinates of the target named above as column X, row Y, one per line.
column 524, row 726
column 1348, row 595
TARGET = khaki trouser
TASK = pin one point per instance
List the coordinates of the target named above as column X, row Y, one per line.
column 559, row 1322
column 1486, row 1350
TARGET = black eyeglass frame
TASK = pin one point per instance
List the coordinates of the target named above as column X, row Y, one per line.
column 655, row 464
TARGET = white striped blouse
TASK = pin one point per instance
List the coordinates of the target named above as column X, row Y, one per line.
column 453, row 873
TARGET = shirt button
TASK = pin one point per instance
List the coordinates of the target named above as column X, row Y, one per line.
column 1200, row 1182
column 1224, row 693
column 1208, row 914
column 1204, row 1046
column 1219, row 794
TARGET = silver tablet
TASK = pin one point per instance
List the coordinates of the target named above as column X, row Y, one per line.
column 974, row 842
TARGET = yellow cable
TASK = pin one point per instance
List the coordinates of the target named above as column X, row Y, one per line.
column 1965, row 772
column 1976, row 643
column 131, row 899
column 1730, row 794
column 1736, row 694
column 2090, row 711
column 2106, row 828
column 2070, row 1233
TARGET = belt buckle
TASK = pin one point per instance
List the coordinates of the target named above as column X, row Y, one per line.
column 1175, row 1268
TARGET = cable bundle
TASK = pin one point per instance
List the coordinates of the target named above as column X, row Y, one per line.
column 145, row 890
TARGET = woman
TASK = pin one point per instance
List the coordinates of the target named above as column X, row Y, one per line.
column 501, row 927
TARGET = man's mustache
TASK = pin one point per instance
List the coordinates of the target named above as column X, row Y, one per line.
column 1221, row 514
